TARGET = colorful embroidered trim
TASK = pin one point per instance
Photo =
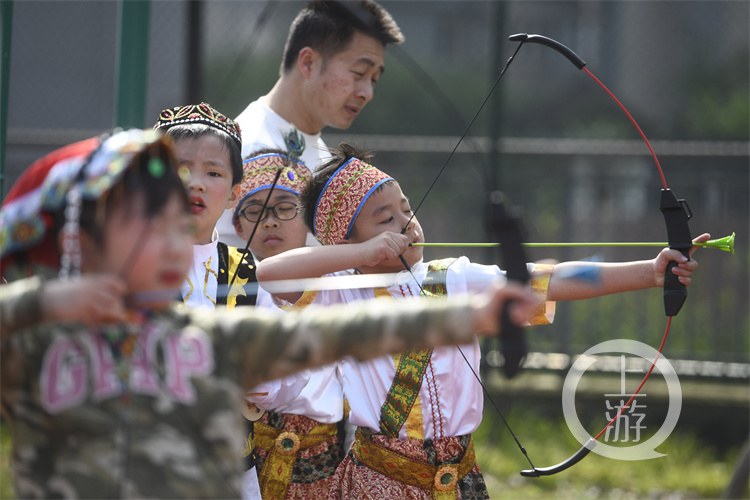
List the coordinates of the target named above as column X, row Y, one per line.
column 282, row 448
column 43, row 187
column 260, row 171
column 199, row 113
column 343, row 197
column 404, row 391
column 545, row 313
column 410, row 471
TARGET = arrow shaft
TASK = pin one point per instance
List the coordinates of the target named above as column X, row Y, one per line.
column 720, row 244
column 547, row 245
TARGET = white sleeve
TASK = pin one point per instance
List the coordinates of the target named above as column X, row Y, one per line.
column 279, row 392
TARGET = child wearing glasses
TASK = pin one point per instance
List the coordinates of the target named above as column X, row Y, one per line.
column 298, row 437
column 278, row 227
column 207, row 147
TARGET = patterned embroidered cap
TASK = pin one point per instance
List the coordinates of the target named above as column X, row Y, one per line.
column 343, row 197
column 199, row 113
column 260, row 171
column 25, row 217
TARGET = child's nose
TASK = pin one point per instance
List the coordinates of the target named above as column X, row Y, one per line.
column 270, row 220
column 196, row 183
column 407, row 223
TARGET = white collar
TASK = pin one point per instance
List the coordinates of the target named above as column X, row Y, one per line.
column 202, row 253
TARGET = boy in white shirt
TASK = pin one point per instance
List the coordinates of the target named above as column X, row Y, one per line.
column 207, row 146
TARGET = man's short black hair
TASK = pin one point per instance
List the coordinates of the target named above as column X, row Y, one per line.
column 328, row 26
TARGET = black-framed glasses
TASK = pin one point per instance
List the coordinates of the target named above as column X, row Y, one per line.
column 284, row 210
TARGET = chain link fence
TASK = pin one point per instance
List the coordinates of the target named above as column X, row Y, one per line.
column 549, row 137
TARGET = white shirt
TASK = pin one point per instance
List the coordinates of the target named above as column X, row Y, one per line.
column 314, row 393
column 262, row 127
column 450, row 396
column 201, row 285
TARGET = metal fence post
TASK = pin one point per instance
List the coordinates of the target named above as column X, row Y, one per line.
column 6, row 10
column 132, row 63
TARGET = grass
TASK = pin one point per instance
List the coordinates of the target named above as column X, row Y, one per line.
column 6, row 481
column 690, row 470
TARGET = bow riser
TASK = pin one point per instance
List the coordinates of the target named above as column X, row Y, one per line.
column 506, row 225
column 676, row 215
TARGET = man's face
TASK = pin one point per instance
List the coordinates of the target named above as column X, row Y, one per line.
column 341, row 85
column 210, row 188
column 273, row 235
column 388, row 210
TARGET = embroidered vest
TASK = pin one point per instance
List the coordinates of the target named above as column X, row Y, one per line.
column 230, row 258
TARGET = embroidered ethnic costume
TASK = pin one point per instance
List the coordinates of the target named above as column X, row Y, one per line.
column 228, row 261
column 295, row 454
column 212, row 271
column 442, row 468
column 214, row 263
column 413, row 440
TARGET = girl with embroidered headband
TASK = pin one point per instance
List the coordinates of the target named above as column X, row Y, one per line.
column 307, row 408
column 279, row 228
column 114, row 390
column 417, row 410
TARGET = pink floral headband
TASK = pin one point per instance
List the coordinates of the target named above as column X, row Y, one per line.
column 343, row 197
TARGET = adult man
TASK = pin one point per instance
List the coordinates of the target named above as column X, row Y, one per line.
column 333, row 57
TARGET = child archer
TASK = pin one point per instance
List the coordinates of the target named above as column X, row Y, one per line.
column 141, row 398
column 208, row 145
column 307, row 407
column 416, row 412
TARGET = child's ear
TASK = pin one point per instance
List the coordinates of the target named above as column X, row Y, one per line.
column 234, row 195
column 238, row 227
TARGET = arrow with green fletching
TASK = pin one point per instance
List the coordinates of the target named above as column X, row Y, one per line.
column 726, row 243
